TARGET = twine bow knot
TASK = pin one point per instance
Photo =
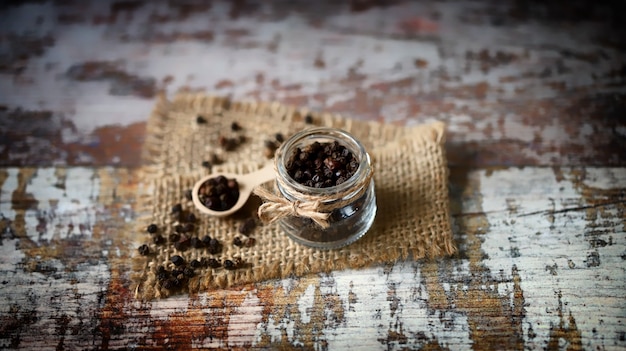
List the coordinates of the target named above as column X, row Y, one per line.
column 277, row 207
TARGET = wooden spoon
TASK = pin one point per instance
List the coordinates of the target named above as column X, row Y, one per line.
column 247, row 182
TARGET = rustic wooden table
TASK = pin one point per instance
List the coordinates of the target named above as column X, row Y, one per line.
column 534, row 96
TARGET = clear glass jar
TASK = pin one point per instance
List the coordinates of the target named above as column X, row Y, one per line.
column 351, row 205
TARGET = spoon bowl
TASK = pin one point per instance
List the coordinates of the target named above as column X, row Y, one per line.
column 246, row 182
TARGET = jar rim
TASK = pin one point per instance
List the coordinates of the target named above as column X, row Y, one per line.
column 346, row 139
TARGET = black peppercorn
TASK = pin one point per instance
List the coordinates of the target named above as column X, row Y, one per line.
column 308, row 119
column 215, row 160
column 206, row 164
column 247, row 226
column 270, row 144
column 195, row 264
column 169, row 284
column 228, row 144
column 158, row 239
column 162, row 273
column 230, row 265
column 177, row 272
column 250, row 242
column 183, row 244
column 174, row 237
column 188, row 227
column 237, row 241
column 191, row 218
column 176, row 209
column 279, row 137
column 219, row 193
column 213, row 263
column 152, row 228
column 188, row 272
column 196, row 243
column 177, row 260
column 321, row 165
column 206, row 240
column 214, row 246
column 144, row 250
column 235, row 127
column 201, row 120
column 188, row 195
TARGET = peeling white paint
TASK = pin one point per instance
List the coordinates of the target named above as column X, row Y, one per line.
column 546, row 251
column 604, row 178
column 6, row 193
column 244, row 320
column 305, row 303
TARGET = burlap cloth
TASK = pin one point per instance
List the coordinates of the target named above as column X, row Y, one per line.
column 411, row 188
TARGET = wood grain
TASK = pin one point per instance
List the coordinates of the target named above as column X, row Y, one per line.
column 518, row 84
column 540, row 267
column 533, row 95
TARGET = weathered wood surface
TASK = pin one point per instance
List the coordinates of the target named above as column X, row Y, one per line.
column 541, row 265
column 518, row 82
column 522, row 85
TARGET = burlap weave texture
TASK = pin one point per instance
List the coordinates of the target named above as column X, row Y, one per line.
column 411, row 188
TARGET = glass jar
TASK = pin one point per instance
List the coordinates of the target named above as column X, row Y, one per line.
column 350, row 206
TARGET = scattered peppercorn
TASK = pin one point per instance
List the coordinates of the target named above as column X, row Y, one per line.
column 177, row 273
column 183, row 244
column 250, row 242
column 214, row 246
column 201, row 120
column 158, row 239
column 247, row 226
column 169, row 284
column 162, row 273
column 213, row 263
column 268, row 152
column 270, row 144
column 235, row 127
column 188, row 227
column 308, row 119
column 195, row 242
column 230, row 265
column 176, row 209
column 206, row 240
column 237, row 242
column 195, row 264
column 279, row 137
column 177, row 260
column 144, row 250
column 219, row 193
column 152, row 228
column 188, row 272
column 228, row 144
column 206, row 164
column 188, row 195
column 215, row 160
column 191, row 218
column 270, row 148
column 174, row 237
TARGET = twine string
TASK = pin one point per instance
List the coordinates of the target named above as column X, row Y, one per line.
column 276, row 206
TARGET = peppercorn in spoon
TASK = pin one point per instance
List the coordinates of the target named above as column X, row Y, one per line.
column 222, row 194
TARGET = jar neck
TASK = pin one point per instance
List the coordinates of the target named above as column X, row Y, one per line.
column 294, row 190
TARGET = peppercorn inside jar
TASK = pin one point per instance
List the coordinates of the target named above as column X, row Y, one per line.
column 326, row 174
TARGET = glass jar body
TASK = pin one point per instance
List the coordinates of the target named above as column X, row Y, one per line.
column 351, row 206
